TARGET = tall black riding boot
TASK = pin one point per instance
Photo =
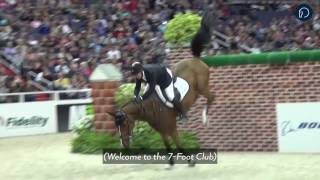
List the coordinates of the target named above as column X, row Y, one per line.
column 182, row 114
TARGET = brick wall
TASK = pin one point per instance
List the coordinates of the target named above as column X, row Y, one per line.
column 243, row 114
column 103, row 103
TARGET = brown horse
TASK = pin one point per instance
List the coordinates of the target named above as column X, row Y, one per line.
column 155, row 112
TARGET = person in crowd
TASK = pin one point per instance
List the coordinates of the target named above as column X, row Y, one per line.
column 62, row 83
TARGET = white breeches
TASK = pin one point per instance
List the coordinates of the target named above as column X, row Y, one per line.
column 170, row 89
column 170, row 92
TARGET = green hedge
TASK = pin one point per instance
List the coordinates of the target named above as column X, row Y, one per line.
column 283, row 57
column 182, row 28
column 147, row 138
column 91, row 142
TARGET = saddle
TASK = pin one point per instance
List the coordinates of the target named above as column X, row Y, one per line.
column 181, row 88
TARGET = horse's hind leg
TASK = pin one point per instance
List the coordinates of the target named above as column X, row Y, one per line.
column 165, row 139
column 203, row 89
column 209, row 96
column 176, row 140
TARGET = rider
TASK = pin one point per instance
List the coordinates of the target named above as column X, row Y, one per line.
column 156, row 74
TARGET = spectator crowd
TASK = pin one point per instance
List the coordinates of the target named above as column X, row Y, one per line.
column 58, row 43
column 269, row 28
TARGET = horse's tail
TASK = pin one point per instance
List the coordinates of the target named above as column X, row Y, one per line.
column 203, row 36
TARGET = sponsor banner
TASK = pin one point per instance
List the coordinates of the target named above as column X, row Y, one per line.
column 298, row 126
column 18, row 119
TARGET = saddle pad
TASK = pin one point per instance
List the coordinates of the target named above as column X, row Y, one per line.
column 181, row 85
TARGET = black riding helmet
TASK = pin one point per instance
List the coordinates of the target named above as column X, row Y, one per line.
column 136, row 68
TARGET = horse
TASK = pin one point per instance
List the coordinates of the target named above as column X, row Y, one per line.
column 161, row 117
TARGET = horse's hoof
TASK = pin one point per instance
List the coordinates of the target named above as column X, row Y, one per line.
column 168, row 167
column 191, row 164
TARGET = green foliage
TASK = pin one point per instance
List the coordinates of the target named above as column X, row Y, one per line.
column 87, row 141
column 84, row 124
column 90, row 110
column 125, row 93
column 90, row 142
column 182, row 27
column 146, row 138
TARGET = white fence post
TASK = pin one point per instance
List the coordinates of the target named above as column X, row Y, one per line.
column 21, row 98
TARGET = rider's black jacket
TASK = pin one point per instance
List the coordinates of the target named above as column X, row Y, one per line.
column 155, row 74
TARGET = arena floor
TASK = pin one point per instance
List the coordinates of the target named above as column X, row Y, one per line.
column 49, row 157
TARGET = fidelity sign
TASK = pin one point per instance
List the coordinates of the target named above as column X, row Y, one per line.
column 19, row 119
column 298, row 127
column 25, row 122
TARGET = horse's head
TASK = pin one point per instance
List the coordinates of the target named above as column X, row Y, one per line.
column 125, row 126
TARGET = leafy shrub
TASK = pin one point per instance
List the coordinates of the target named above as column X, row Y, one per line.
column 91, row 142
column 88, row 141
column 90, row 110
column 125, row 93
column 84, row 124
column 182, row 28
column 145, row 137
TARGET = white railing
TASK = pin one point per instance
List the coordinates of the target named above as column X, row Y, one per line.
column 52, row 95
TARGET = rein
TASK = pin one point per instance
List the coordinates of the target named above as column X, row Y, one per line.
column 141, row 111
column 130, row 133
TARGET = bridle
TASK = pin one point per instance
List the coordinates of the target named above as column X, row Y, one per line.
column 130, row 130
column 126, row 118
